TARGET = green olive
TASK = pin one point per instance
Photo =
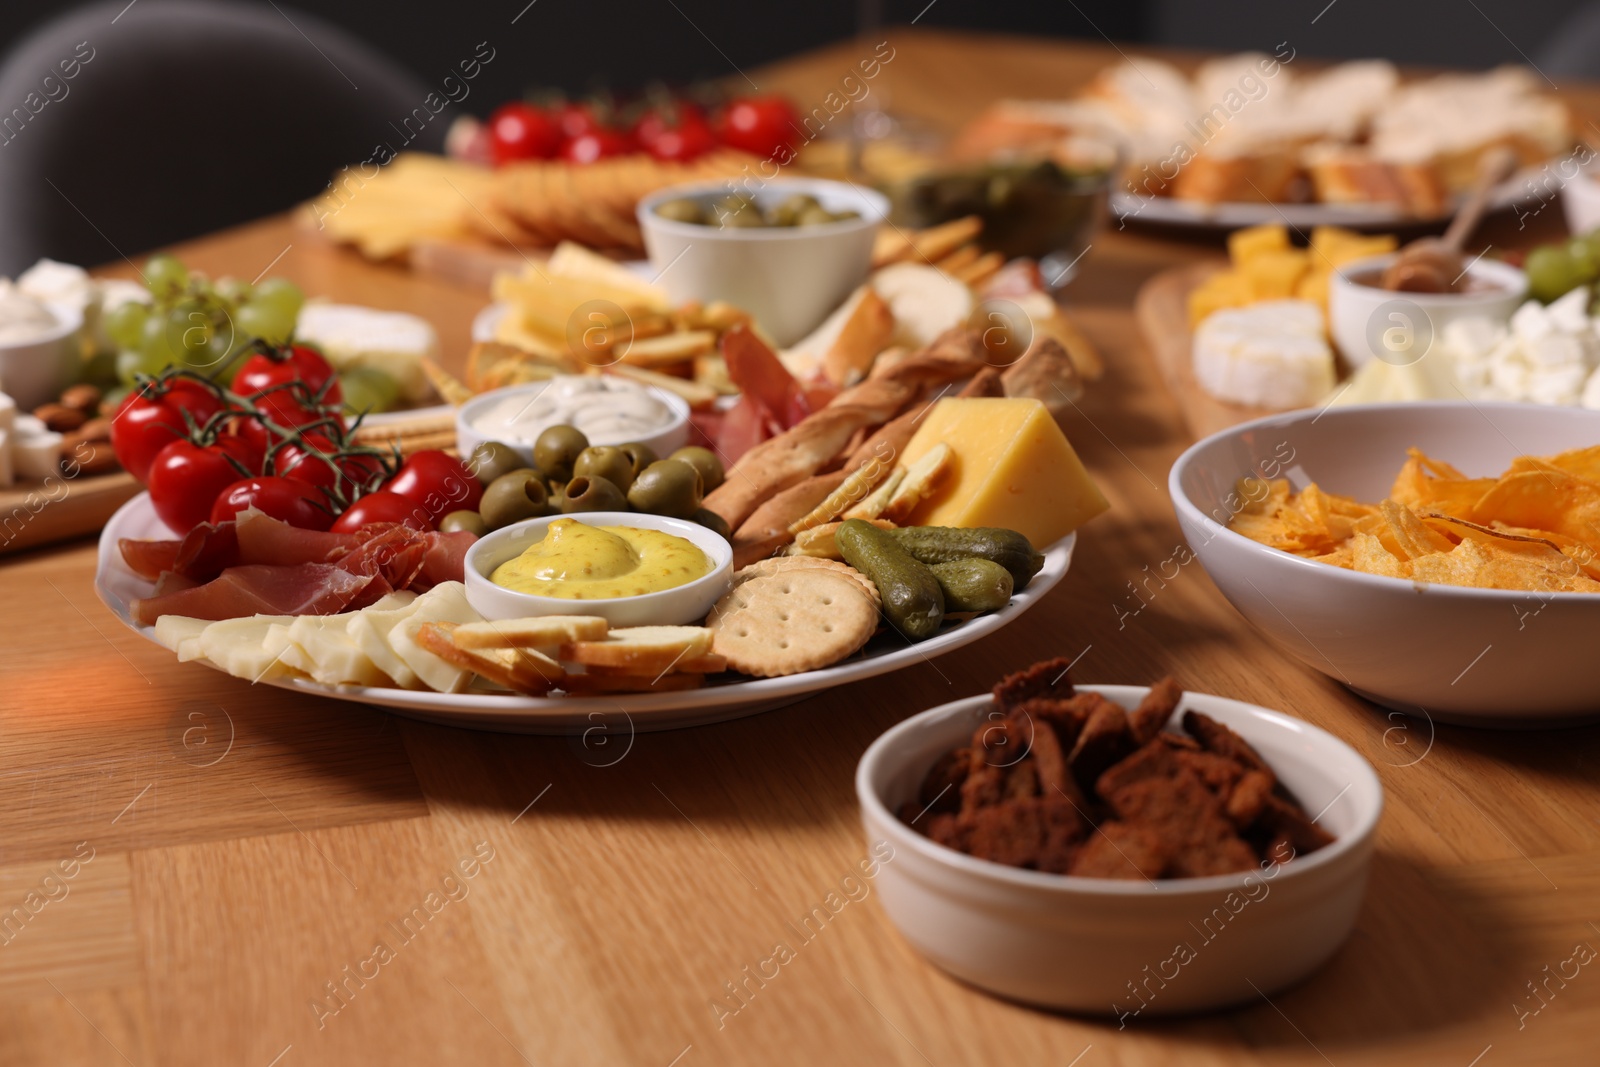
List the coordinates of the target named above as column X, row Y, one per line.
column 592, row 493
column 641, row 454
column 816, row 215
column 464, row 521
column 492, row 459
column 605, row 461
column 514, row 497
column 787, row 213
column 682, row 210
column 557, row 449
column 846, row 215
column 703, row 460
column 737, row 212
column 712, row 521
column 667, row 487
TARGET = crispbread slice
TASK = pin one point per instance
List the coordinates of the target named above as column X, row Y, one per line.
column 543, row 631
column 522, row 669
column 643, row 649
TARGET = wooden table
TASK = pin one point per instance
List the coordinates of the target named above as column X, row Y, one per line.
column 251, row 848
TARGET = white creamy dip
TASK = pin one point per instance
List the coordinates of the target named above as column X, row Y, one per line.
column 608, row 411
column 22, row 318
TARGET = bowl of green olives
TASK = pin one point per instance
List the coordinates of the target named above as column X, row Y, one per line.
column 787, row 250
column 569, row 476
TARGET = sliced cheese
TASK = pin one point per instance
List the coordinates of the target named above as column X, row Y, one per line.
column 240, row 647
column 1271, row 355
column 370, row 630
column 182, row 635
column 1011, row 467
column 443, row 603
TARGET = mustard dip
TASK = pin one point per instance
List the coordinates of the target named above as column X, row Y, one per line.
column 581, row 562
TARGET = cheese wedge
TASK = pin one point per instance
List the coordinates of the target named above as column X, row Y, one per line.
column 1011, row 467
column 446, row 602
column 182, row 635
column 370, row 631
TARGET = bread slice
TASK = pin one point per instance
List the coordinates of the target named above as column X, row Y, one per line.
column 642, row 649
column 547, row 631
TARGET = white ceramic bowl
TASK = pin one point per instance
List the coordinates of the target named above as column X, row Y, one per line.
column 1370, row 323
column 35, row 372
column 1478, row 657
column 788, row 277
column 1580, row 201
column 1086, row 944
column 671, row 437
column 671, row 607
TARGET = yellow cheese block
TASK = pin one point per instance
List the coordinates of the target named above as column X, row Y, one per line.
column 1229, row 289
column 1244, row 245
column 1013, row 468
column 1273, row 275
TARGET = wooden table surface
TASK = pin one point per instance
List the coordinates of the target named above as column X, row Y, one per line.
column 237, row 854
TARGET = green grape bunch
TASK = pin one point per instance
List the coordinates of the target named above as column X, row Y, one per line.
column 196, row 324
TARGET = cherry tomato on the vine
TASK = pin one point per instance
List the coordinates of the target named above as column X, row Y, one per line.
column 522, row 131
column 311, row 460
column 146, row 422
column 185, row 479
column 439, row 482
column 760, row 125
column 382, row 506
column 289, row 407
column 285, row 499
column 598, row 143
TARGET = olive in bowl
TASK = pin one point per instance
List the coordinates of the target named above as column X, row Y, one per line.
column 667, row 487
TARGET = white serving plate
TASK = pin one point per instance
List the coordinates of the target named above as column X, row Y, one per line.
column 1132, row 207
column 117, row 586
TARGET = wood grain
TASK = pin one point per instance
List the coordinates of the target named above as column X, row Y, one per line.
column 634, row 878
column 40, row 513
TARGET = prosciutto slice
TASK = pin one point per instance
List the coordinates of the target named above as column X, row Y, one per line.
column 201, row 555
column 261, row 589
column 264, row 539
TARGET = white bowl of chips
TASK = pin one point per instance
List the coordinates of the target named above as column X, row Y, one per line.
column 1494, row 657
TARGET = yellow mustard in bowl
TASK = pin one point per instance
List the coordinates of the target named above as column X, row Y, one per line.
column 581, row 562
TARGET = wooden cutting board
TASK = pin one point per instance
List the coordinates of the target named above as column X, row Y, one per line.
column 33, row 514
column 1162, row 311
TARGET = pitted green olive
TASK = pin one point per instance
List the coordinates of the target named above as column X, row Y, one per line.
column 492, row 459
column 703, row 460
column 514, row 497
column 712, row 521
column 592, row 493
column 641, row 454
column 667, row 487
column 464, row 522
column 605, row 461
column 557, row 449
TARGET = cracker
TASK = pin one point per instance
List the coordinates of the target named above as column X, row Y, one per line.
column 541, row 632
column 782, row 564
column 521, row 670
column 642, row 649
column 793, row 621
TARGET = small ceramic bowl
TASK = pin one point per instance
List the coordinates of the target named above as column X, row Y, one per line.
column 1475, row 657
column 684, row 604
column 1125, row 948
column 35, row 372
column 669, row 438
column 788, row 277
column 1370, row 323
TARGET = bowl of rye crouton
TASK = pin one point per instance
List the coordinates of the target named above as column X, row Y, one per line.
column 1119, row 850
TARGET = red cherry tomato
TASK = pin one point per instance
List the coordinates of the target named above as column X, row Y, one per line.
column 289, row 407
column 186, row 478
column 439, row 482
column 382, row 506
column 145, row 423
column 303, row 463
column 522, row 131
column 760, row 125
column 599, row 143
column 285, row 499
column 575, row 120
column 658, row 120
column 687, row 140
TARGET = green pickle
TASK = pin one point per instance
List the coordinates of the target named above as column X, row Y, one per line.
column 973, row 584
column 912, row 599
column 946, row 544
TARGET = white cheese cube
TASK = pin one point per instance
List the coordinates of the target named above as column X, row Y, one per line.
column 1530, row 322
column 1570, row 313
column 1559, row 385
column 35, row 456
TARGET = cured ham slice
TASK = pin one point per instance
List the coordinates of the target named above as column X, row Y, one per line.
column 445, row 559
column 264, row 539
column 201, row 554
column 260, row 589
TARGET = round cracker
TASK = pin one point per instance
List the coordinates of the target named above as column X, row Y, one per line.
column 779, row 564
column 793, row 621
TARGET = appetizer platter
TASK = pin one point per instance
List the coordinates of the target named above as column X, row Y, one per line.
column 1249, row 139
